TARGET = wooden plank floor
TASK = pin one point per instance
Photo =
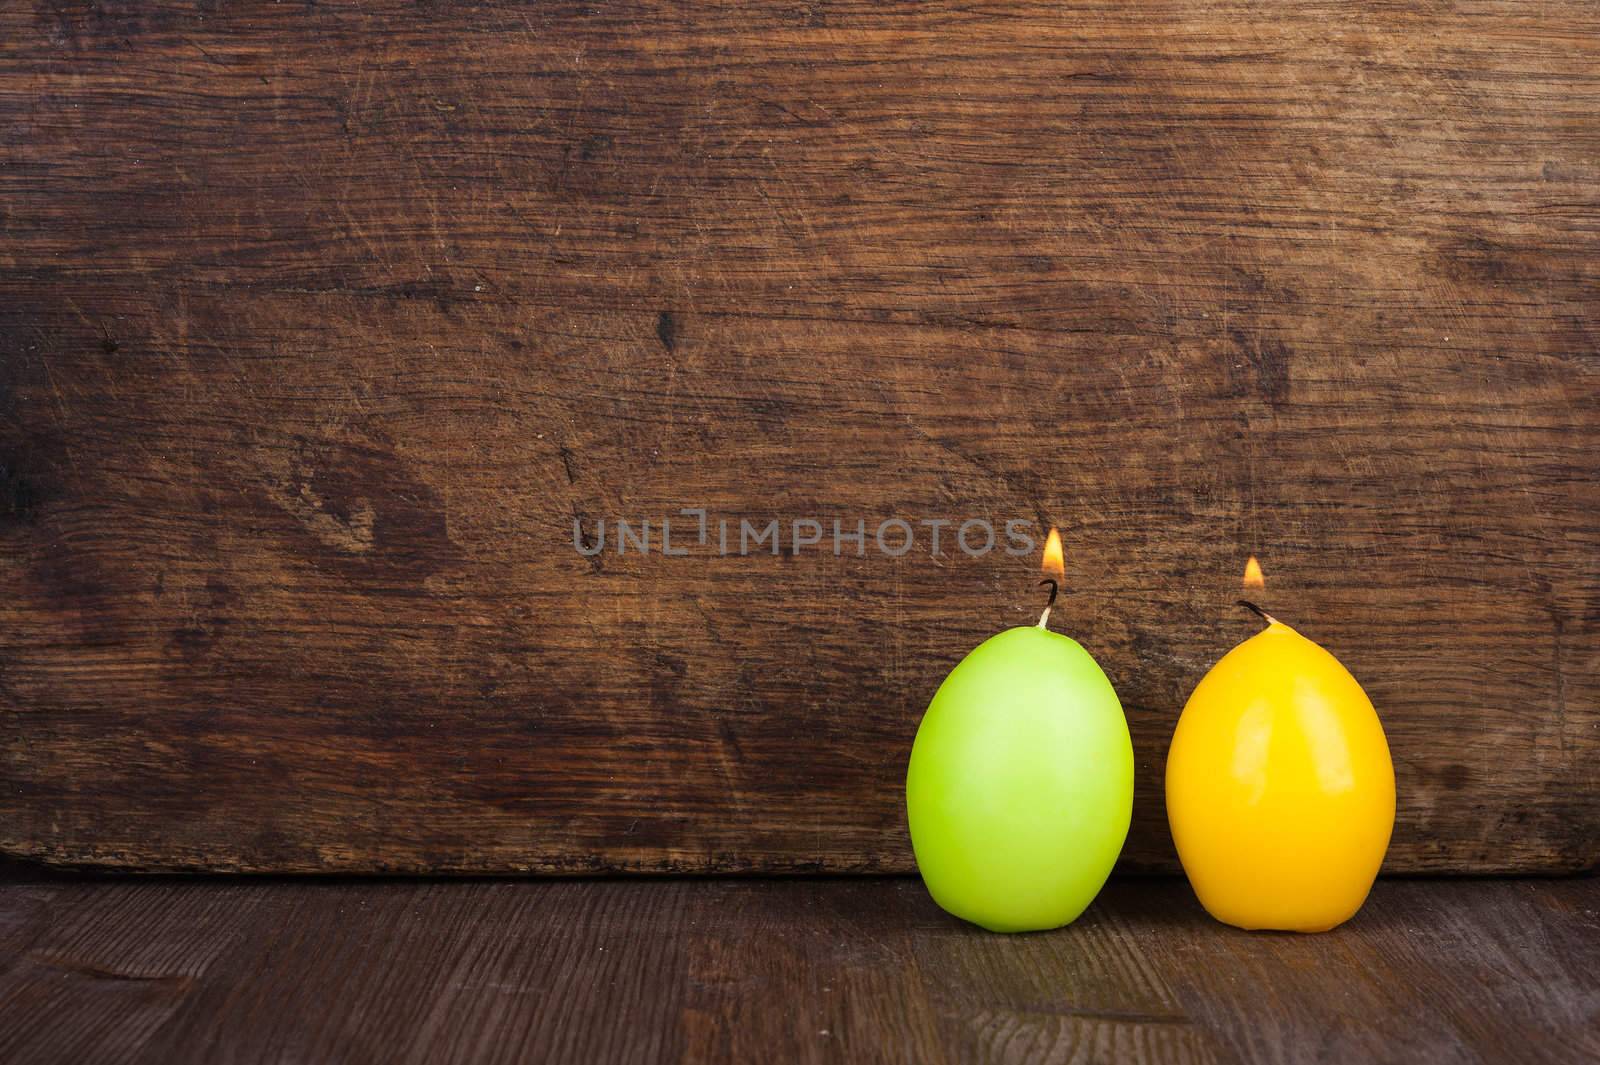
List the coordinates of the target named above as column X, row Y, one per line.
column 170, row 970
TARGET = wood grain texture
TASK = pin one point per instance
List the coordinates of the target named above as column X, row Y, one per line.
column 170, row 971
column 319, row 325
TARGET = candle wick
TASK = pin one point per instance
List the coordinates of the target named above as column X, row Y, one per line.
column 1054, row 591
column 1248, row 605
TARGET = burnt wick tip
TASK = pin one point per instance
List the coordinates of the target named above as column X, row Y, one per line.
column 1248, row 605
column 1044, row 618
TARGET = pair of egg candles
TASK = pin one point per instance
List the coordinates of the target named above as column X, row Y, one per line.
column 1280, row 789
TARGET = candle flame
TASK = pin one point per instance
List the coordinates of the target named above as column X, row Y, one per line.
column 1054, row 565
column 1252, row 574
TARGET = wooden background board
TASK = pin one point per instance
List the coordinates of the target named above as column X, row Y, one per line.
column 320, row 324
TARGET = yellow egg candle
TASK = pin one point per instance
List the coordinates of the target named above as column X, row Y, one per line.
column 1280, row 791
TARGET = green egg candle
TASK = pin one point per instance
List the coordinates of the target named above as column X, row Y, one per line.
column 1020, row 787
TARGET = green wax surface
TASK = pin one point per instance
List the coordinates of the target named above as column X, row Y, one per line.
column 1020, row 787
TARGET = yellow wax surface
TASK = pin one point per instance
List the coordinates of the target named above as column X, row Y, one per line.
column 1280, row 790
